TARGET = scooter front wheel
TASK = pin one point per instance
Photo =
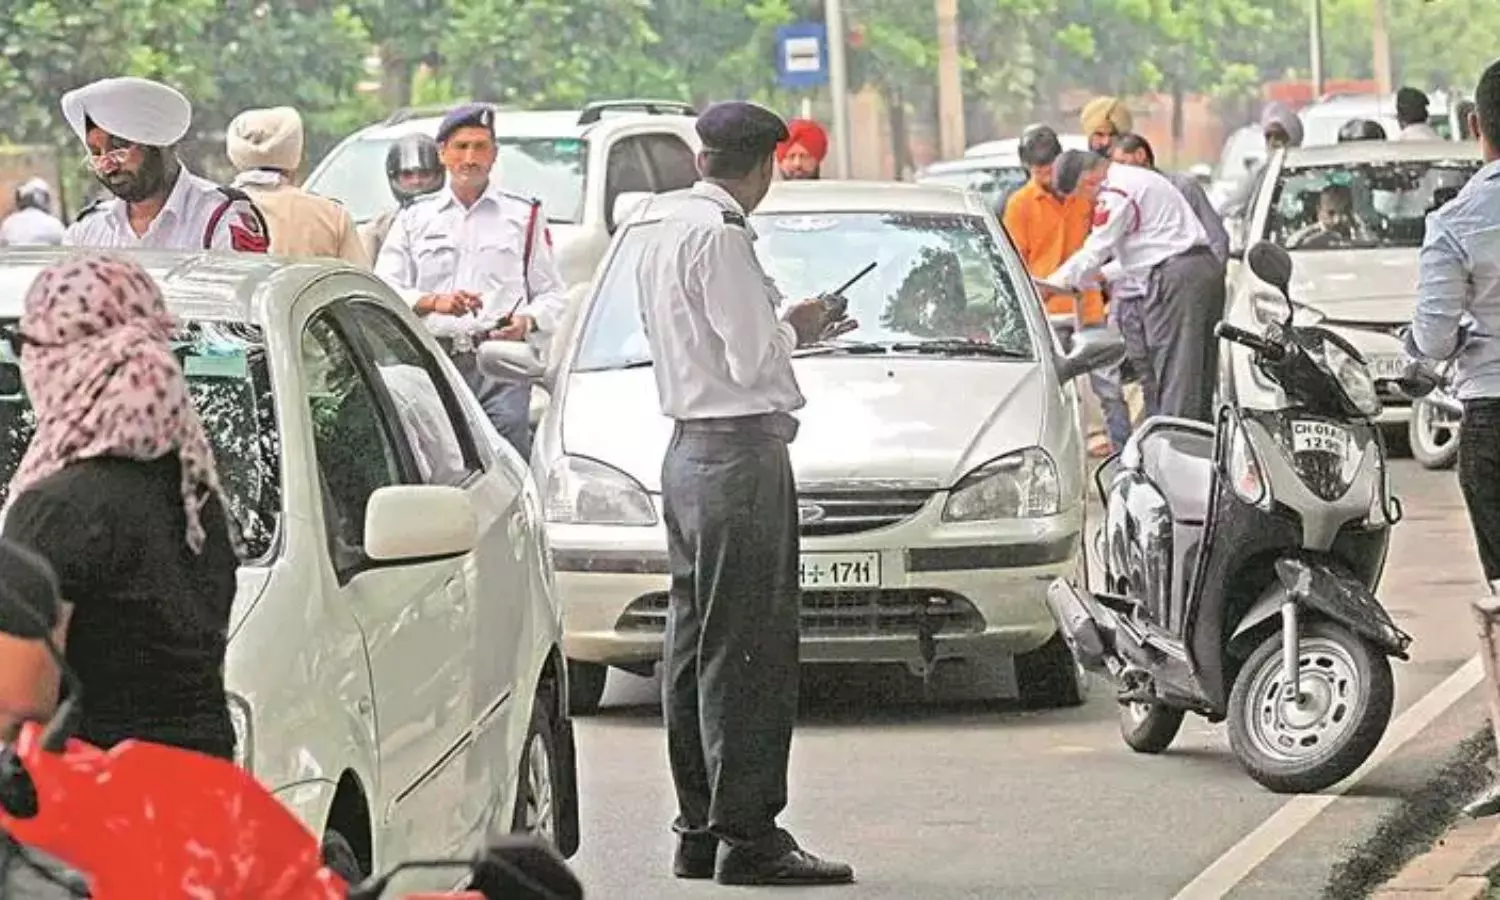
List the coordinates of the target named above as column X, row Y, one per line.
column 1343, row 704
column 1149, row 727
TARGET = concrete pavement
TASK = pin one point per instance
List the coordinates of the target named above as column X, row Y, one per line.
column 942, row 798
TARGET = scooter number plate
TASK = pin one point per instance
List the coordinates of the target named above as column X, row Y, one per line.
column 1319, row 437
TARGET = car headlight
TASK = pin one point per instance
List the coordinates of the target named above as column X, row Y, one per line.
column 583, row 491
column 1022, row 485
column 244, row 735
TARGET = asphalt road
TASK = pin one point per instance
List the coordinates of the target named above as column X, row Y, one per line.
column 942, row 797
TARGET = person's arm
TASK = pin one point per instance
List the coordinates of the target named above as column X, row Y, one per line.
column 738, row 303
column 1213, row 223
column 1114, row 216
column 396, row 266
column 351, row 248
column 1442, row 292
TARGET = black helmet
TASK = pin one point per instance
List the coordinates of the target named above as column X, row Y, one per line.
column 414, row 153
column 1038, row 145
column 1361, row 130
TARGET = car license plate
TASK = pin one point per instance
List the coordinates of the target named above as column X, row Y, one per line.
column 839, row 571
column 1387, row 366
column 1319, row 437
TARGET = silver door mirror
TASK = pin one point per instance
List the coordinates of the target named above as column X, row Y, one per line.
column 511, row 362
column 1091, row 352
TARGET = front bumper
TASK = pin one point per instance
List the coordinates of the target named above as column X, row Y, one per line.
column 979, row 589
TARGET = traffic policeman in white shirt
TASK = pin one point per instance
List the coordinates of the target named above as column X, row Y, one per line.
column 32, row 223
column 729, row 502
column 476, row 264
column 1145, row 228
column 129, row 126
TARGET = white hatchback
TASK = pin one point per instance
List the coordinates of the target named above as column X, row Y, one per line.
column 394, row 667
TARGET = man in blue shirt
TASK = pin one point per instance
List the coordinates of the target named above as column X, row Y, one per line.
column 1460, row 280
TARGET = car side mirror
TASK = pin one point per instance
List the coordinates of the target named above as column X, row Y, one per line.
column 511, row 362
column 1091, row 352
column 626, row 203
column 409, row 522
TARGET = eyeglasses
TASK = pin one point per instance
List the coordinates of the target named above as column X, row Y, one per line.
column 110, row 159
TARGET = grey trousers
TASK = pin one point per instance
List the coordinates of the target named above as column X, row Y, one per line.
column 507, row 405
column 731, row 646
column 1184, row 301
column 39, row 878
column 1125, row 315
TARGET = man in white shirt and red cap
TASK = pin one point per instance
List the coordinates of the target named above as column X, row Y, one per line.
column 800, row 157
column 129, row 126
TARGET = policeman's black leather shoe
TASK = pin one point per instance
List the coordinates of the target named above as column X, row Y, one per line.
column 794, row 867
column 695, row 856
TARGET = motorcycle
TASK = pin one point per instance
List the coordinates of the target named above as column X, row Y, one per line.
column 146, row 820
column 1240, row 561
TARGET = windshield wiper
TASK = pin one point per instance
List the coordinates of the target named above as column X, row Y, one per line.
column 851, row 347
column 956, row 347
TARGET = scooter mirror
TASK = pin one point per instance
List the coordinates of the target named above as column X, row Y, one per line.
column 1272, row 265
column 524, row 867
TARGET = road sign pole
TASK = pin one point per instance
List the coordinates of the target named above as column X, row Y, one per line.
column 838, row 86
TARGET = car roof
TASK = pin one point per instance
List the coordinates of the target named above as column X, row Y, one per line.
column 1343, row 104
column 547, row 123
column 1011, row 146
column 1382, row 151
column 205, row 286
column 864, row 196
column 972, row 163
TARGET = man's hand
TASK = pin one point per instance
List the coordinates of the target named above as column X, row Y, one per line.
column 808, row 318
column 1047, row 288
column 518, row 329
column 456, row 303
column 838, row 328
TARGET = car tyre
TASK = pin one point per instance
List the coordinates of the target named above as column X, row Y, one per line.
column 1050, row 678
column 1434, row 446
column 1149, row 727
column 339, row 857
column 585, row 686
column 539, row 804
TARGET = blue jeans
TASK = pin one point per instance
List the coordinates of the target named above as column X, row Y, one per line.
column 1110, row 390
column 508, row 406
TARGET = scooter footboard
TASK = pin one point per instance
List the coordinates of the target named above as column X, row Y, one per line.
column 1078, row 619
column 1334, row 594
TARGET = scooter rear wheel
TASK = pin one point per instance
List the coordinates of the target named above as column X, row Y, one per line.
column 1304, row 746
column 1149, row 727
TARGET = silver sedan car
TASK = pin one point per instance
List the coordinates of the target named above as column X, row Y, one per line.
column 939, row 465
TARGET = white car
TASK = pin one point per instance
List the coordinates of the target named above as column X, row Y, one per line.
column 394, row 662
column 1361, row 281
column 939, row 464
column 993, row 177
column 579, row 163
column 1322, row 120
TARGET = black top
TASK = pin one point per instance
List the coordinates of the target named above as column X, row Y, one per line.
column 150, row 617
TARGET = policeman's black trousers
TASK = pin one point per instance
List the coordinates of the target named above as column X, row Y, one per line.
column 1184, row 301
column 731, row 648
column 1479, row 478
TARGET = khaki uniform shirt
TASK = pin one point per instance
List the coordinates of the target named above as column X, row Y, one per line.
column 304, row 224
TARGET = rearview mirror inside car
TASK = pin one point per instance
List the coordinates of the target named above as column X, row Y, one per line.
column 419, row 522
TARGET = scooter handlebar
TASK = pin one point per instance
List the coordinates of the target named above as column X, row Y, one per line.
column 1249, row 339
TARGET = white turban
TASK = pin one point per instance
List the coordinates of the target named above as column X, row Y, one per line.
column 266, row 139
column 133, row 109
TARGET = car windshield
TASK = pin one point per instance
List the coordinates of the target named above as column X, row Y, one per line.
column 226, row 370
column 1364, row 205
column 550, row 169
column 940, row 284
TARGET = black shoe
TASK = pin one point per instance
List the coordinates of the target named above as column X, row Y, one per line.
column 695, row 856
column 794, row 867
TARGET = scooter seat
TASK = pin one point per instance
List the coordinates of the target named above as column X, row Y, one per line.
column 1179, row 461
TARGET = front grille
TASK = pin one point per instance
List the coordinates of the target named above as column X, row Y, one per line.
column 825, row 513
column 868, row 613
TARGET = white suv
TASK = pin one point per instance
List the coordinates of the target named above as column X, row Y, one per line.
column 579, row 163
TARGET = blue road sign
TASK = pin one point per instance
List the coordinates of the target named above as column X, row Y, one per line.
column 802, row 55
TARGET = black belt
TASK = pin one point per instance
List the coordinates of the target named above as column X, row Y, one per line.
column 777, row 424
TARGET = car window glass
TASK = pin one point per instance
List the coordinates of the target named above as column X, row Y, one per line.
column 675, row 164
column 1361, row 205
column 625, row 173
column 431, row 419
column 355, row 454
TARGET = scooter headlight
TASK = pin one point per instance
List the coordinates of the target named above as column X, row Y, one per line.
column 1242, row 470
column 1354, row 377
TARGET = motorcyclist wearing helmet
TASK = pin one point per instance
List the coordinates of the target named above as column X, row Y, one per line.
column 413, row 170
column 32, row 222
column 1361, row 130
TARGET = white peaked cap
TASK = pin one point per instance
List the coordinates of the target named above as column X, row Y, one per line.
column 134, row 109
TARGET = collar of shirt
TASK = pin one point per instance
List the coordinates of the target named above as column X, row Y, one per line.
column 446, row 199
column 170, row 211
column 1488, row 172
column 712, row 192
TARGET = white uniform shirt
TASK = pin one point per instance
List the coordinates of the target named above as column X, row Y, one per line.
column 436, row 245
column 182, row 223
column 1141, row 219
column 30, row 227
column 709, row 312
column 1419, row 131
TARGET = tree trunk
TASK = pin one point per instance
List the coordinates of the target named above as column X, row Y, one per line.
column 1177, row 123
column 395, row 79
column 895, row 106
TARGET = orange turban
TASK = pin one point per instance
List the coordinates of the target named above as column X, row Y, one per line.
column 809, row 134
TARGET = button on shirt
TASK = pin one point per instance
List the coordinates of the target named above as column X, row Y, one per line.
column 709, row 311
column 436, row 245
column 1141, row 220
column 1460, row 273
column 180, row 225
column 30, row 227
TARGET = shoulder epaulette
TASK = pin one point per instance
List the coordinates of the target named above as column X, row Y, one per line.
column 234, row 193
column 91, row 209
column 733, row 218
column 529, row 201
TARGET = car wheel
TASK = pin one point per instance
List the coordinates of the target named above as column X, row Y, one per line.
column 1433, row 438
column 1050, row 678
column 538, row 804
column 585, row 686
column 340, row 858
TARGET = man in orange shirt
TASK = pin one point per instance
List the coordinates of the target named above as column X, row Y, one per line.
column 1047, row 229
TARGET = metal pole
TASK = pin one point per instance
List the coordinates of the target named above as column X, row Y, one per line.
column 1316, row 46
column 1381, row 40
column 950, row 82
column 838, row 86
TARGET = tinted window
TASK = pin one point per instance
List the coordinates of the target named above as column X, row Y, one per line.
column 1361, row 205
column 675, row 164
column 626, row 173
column 227, row 376
column 431, row 418
column 356, row 455
column 550, row 169
column 939, row 277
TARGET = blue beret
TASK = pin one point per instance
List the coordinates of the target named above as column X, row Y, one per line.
column 739, row 127
column 470, row 115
